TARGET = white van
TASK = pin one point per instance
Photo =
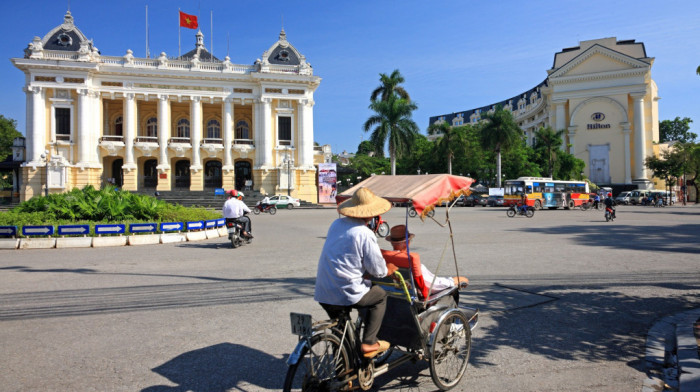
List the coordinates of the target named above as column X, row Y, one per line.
column 637, row 196
column 623, row 198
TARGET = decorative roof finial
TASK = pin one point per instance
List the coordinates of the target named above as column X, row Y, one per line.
column 200, row 39
column 68, row 19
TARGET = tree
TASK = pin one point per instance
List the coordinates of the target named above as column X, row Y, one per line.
column 8, row 133
column 366, row 148
column 669, row 166
column 392, row 121
column 549, row 141
column 676, row 130
column 498, row 133
column 390, row 86
column 451, row 141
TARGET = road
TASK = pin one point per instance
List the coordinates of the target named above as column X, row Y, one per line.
column 566, row 302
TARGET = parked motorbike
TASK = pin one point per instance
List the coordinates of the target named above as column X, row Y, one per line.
column 379, row 226
column 519, row 210
column 609, row 214
column 269, row 208
column 235, row 233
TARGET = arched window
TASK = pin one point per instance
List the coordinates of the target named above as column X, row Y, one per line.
column 242, row 130
column 183, row 128
column 213, row 129
column 119, row 126
column 152, row 127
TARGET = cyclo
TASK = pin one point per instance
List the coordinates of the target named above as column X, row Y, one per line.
column 436, row 328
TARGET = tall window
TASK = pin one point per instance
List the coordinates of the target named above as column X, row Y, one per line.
column 183, row 128
column 119, row 126
column 152, row 127
column 284, row 131
column 213, row 129
column 242, row 130
column 62, row 123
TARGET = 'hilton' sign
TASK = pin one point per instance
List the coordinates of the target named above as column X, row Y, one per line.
column 597, row 117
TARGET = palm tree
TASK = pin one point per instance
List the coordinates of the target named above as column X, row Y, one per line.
column 498, row 133
column 453, row 139
column 392, row 120
column 550, row 140
column 390, row 86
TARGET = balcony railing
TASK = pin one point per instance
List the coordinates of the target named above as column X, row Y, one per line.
column 146, row 139
column 212, row 140
column 62, row 137
column 111, row 138
column 243, row 141
column 179, row 140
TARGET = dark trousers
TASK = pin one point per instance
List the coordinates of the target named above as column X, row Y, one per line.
column 375, row 304
column 246, row 223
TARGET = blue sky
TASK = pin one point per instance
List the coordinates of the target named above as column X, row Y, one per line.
column 455, row 55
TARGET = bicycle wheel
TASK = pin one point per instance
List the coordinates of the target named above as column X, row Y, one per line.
column 412, row 212
column 256, row 211
column 430, row 213
column 273, row 210
column 319, row 367
column 450, row 350
column 383, row 229
column 510, row 213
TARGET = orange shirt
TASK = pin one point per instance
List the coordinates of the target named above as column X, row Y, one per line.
column 400, row 259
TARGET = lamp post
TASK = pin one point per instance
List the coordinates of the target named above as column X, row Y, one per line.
column 418, row 171
column 289, row 162
column 45, row 158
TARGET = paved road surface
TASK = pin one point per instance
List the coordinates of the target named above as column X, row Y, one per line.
column 566, row 299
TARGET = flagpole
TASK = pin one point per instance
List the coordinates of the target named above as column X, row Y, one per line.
column 211, row 37
column 178, row 34
column 148, row 52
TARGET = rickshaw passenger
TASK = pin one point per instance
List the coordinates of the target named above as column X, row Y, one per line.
column 350, row 256
column 421, row 274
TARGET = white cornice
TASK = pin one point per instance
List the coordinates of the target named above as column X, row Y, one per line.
column 598, row 76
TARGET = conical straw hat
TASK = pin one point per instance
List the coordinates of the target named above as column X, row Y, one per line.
column 364, row 204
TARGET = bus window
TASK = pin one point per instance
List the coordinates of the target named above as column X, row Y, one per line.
column 528, row 189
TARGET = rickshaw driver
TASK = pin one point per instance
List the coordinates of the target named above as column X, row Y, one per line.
column 349, row 257
column 423, row 278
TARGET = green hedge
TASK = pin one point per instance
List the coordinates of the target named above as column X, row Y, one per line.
column 105, row 206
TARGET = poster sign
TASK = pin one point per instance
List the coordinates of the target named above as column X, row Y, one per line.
column 327, row 182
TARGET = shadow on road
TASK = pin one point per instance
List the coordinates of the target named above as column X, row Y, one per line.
column 222, row 367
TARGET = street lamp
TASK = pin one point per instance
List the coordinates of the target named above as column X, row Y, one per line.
column 418, row 171
column 45, row 158
column 288, row 161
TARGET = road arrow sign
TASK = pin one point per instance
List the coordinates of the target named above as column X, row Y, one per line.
column 37, row 230
column 73, row 229
column 195, row 225
column 172, row 226
column 109, row 229
column 221, row 222
column 9, row 231
column 211, row 223
column 142, row 227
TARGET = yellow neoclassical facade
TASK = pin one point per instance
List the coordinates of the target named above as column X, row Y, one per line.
column 602, row 95
column 192, row 122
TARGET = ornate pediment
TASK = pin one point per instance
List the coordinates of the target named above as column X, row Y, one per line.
column 598, row 60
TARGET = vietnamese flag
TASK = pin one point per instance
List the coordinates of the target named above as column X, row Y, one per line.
column 187, row 20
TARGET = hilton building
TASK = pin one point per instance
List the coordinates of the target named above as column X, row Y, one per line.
column 602, row 95
column 191, row 123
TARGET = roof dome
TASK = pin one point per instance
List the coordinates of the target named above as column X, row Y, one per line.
column 65, row 36
column 199, row 51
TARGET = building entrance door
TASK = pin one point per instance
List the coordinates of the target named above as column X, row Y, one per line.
column 243, row 173
column 150, row 173
column 600, row 164
column 182, row 174
column 117, row 172
column 212, row 174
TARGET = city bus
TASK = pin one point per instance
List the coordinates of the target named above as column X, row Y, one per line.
column 544, row 192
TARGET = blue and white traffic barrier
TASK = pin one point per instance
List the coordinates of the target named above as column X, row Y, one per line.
column 110, row 229
column 135, row 228
column 170, row 226
column 74, row 230
column 8, row 231
column 37, row 230
column 198, row 225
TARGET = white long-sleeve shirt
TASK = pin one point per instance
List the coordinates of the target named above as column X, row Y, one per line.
column 350, row 251
column 234, row 208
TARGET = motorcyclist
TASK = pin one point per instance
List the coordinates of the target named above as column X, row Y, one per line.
column 522, row 206
column 610, row 203
column 234, row 208
column 596, row 200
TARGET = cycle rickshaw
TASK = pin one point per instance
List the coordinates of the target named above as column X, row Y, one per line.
column 432, row 327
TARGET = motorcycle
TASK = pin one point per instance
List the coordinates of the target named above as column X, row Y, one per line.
column 269, row 208
column 379, row 226
column 235, row 233
column 519, row 210
column 609, row 214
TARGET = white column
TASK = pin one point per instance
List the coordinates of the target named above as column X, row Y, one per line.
column 129, row 129
column 561, row 118
column 639, row 136
column 84, row 122
column 257, row 132
column 228, row 133
column 306, row 133
column 98, row 113
column 266, row 136
column 628, row 156
column 572, row 136
column 196, row 131
column 36, row 130
column 163, row 131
